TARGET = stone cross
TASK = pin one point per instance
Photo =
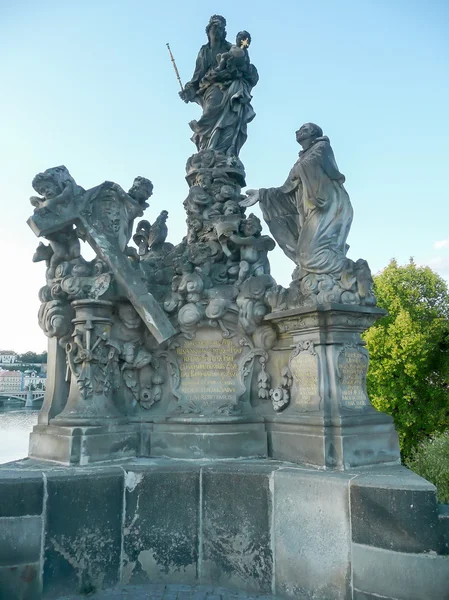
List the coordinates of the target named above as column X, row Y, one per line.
column 104, row 215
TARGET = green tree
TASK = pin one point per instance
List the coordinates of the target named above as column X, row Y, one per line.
column 409, row 352
column 32, row 357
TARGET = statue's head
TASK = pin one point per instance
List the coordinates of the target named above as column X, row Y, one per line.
column 128, row 315
column 52, row 182
column 231, row 207
column 308, row 132
column 216, row 27
column 141, row 189
column 243, row 39
column 251, row 226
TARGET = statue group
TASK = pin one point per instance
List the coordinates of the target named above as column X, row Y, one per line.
column 166, row 351
column 125, row 319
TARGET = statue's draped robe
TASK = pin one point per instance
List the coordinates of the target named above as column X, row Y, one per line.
column 226, row 103
column 311, row 214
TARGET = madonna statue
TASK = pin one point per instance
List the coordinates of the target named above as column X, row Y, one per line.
column 221, row 85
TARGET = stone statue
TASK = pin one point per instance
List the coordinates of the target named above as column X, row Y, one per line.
column 221, row 85
column 56, row 186
column 186, row 350
column 310, row 217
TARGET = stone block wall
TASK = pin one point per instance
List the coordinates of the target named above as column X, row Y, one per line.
column 253, row 525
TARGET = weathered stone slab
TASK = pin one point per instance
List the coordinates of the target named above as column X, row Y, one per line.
column 161, row 529
column 396, row 511
column 443, row 522
column 20, row 582
column 20, row 540
column 228, row 438
column 83, row 530
column 236, row 525
column 84, row 445
column 21, row 493
column 398, row 575
column 311, row 534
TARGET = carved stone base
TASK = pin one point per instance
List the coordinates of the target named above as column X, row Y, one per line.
column 196, row 438
column 355, row 443
column 84, row 445
column 329, row 422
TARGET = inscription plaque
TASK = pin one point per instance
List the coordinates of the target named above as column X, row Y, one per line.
column 352, row 368
column 208, row 367
column 305, row 372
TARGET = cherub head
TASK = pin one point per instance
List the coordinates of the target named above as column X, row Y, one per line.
column 141, row 189
column 227, row 192
column 251, row 226
column 52, row 182
column 231, row 207
column 203, row 180
column 128, row 316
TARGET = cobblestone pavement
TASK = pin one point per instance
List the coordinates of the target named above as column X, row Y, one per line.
column 170, row 592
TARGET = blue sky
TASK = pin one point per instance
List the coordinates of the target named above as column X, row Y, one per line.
column 89, row 84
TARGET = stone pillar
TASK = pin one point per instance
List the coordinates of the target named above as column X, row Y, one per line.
column 29, row 399
column 329, row 422
column 89, row 428
column 57, row 386
column 93, row 363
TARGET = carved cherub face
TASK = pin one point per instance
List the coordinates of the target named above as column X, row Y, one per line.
column 128, row 316
column 252, row 226
column 141, row 189
column 48, row 188
column 227, row 192
column 231, row 208
column 203, row 180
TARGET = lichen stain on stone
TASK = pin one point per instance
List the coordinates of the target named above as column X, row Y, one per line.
column 29, row 574
column 88, row 553
column 127, row 569
column 242, row 554
column 132, row 480
column 169, row 552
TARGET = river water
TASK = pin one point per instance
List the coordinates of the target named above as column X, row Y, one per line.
column 15, row 428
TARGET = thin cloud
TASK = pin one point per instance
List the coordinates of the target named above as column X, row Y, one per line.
column 441, row 244
column 440, row 264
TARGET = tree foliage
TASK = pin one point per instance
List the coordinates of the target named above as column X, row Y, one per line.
column 431, row 460
column 409, row 352
column 32, row 357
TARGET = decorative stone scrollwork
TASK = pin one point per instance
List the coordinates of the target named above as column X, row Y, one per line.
column 280, row 396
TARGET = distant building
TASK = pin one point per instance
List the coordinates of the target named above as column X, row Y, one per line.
column 34, row 379
column 10, row 381
column 7, row 357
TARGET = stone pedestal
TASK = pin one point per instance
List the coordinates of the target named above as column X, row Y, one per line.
column 329, row 422
column 209, row 438
column 93, row 364
column 211, row 415
column 84, row 445
column 87, row 427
